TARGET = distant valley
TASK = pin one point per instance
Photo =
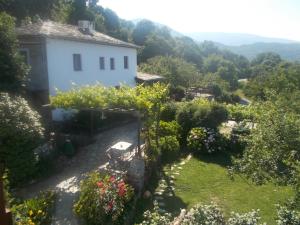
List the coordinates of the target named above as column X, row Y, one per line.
column 250, row 45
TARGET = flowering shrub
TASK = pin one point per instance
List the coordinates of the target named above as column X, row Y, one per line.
column 203, row 140
column 250, row 218
column 286, row 216
column 204, row 214
column 102, row 199
column 35, row 211
column 155, row 218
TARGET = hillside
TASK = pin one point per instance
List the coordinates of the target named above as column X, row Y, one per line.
column 288, row 51
column 234, row 39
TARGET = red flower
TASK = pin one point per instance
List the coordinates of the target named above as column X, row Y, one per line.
column 121, row 184
column 100, row 184
column 110, row 205
column 112, row 179
column 121, row 191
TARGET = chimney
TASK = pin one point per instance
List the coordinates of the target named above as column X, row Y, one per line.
column 86, row 27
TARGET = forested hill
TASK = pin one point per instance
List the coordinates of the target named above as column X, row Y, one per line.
column 288, row 51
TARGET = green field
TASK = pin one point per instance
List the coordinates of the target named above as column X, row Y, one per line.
column 205, row 179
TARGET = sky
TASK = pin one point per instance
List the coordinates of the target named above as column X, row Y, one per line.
column 270, row 18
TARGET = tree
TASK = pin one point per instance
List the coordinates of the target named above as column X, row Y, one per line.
column 176, row 71
column 141, row 31
column 12, row 67
column 273, row 147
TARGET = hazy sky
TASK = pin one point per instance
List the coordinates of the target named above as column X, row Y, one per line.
column 271, row 18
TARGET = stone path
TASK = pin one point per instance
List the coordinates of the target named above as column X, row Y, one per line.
column 66, row 183
column 166, row 185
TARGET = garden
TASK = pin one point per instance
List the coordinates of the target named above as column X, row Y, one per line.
column 195, row 172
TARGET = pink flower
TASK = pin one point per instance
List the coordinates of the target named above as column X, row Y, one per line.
column 100, row 184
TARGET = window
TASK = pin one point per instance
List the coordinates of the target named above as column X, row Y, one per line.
column 102, row 63
column 112, row 63
column 25, row 54
column 77, row 62
column 125, row 62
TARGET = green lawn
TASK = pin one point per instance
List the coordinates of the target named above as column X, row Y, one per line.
column 205, row 179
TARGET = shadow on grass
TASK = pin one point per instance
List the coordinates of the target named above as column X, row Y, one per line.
column 221, row 158
column 167, row 200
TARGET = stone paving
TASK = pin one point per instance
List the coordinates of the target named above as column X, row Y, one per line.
column 166, row 185
column 89, row 158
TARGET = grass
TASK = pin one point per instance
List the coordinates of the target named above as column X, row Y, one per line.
column 205, row 179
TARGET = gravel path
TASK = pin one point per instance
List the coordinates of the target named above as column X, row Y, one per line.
column 66, row 183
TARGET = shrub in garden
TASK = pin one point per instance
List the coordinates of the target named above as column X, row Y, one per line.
column 250, row 218
column 103, row 199
column 170, row 147
column 20, row 132
column 155, row 218
column 168, row 112
column 204, row 214
column 169, row 139
column 203, row 140
column 286, row 216
column 35, row 211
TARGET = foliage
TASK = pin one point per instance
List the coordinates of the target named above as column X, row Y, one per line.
column 36, row 211
column 273, row 147
column 20, row 132
column 176, row 71
column 168, row 111
column 203, row 140
column 155, row 218
column 148, row 100
column 103, row 199
column 287, row 216
column 200, row 113
column 250, row 218
column 204, row 214
column 12, row 68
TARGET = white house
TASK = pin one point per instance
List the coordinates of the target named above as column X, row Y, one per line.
column 60, row 55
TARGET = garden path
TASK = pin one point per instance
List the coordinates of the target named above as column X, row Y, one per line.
column 89, row 158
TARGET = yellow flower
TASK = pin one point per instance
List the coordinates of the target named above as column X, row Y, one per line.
column 40, row 211
column 30, row 213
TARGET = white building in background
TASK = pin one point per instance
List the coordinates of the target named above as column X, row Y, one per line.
column 60, row 55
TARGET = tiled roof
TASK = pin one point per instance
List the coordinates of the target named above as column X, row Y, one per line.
column 68, row 32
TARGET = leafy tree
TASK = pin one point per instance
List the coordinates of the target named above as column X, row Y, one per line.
column 273, row 146
column 12, row 68
column 177, row 71
column 141, row 31
column 112, row 23
column 155, row 45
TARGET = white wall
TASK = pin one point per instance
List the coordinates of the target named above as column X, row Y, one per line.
column 60, row 64
column 61, row 73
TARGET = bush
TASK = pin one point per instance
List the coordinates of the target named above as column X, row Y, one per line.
column 168, row 112
column 286, row 216
column 203, row 140
column 200, row 113
column 35, row 211
column 20, row 132
column 170, row 147
column 103, row 199
column 250, row 218
column 177, row 93
column 204, row 214
column 155, row 218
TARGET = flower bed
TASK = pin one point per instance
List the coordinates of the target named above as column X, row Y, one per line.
column 103, row 199
column 35, row 211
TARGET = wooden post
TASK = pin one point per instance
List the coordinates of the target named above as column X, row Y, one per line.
column 5, row 217
column 139, row 134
